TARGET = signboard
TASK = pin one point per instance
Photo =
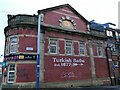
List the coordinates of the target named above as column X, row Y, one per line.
column 29, row 48
column 30, row 57
column 66, row 68
column 66, row 62
column 20, row 57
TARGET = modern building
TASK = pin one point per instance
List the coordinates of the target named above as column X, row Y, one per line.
column 73, row 54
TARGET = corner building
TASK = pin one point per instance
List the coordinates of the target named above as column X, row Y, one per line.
column 72, row 54
column 20, row 50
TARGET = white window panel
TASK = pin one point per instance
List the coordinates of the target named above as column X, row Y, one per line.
column 99, row 50
column 11, row 73
column 68, row 47
column 82, row 48
column 13, row 44
column 53, row 46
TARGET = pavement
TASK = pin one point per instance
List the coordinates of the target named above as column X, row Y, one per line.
column 81, row 88
column 0, row 81
column 88, row 88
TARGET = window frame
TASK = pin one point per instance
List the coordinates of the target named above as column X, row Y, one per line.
column 113, row 48
column 13, row 45
column 56, row 45
column 116, row 63
column 11, row 71
column 109, row 33
column 100, row 48
column 71, row 46
column 83, row 48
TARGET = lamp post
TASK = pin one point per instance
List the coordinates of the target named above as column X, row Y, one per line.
column 38, row 55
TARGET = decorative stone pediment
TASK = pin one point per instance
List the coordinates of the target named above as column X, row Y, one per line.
column 67, row 22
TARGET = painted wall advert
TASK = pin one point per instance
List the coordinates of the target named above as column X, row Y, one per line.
column 67, row 62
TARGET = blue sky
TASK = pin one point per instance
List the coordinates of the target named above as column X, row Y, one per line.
column 102, row 11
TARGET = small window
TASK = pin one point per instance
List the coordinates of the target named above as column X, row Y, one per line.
column 13, row 45
column 109, row 33
column 11, row 73
column 53, row 46
column 68, row 47
column 99, row 50
column 116, row 64
column 82, row 48
column 113, row 48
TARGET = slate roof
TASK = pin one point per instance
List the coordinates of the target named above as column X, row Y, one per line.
column 96, row 26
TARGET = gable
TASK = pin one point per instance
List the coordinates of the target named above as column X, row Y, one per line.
column 64, row 16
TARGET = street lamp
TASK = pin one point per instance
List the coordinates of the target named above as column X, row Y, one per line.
column 38, row 55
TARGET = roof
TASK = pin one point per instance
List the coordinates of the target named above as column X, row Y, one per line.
column 62, row 6
column 14, row 16
column 96, row 26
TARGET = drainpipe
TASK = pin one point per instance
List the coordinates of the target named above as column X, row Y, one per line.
column 108, row 64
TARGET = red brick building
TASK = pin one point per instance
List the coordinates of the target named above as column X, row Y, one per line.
column 20, row 49
column 72, row 54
